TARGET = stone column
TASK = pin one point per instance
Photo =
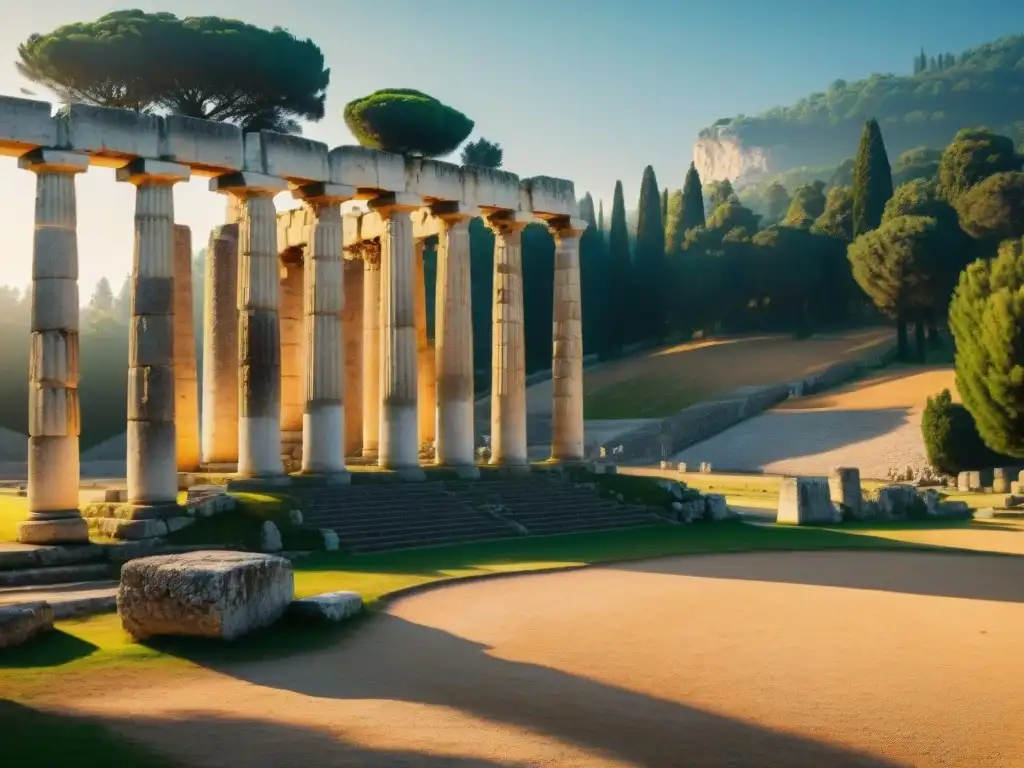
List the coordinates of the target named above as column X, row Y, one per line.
column 453, row 340
column 323, row 420
column 426, row 386
column 292, row 359
column 371, row 349
column 399, row 445
column 508, row 353
column 53, row 421
column 259, row 329
column 152, row 440
column 567, row 359
column 352, row 345
column 220, row 349
column 186, row 380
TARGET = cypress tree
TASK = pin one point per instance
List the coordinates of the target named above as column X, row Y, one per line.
column 664, row 206
column 619, row 317
column 650, row 260
column 593, row 278
column 674, row 223
column 693, row 201
column 872, row 180
column 600, row 217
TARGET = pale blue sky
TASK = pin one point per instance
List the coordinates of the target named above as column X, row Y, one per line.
column 589, row 90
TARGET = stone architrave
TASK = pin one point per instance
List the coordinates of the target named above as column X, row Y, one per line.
column 54, row 424
column 152, row 439
column 567, row 431
column 806, row 501
column 323, row 419
column 292, row 358
column 453, row 342
column 352, row 344
column 426, row 386
column 220, row 348
column 186, row 378
column 371, row 253
column 259, row 329
column 508, row 351
column 399, row 445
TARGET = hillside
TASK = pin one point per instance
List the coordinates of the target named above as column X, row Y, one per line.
column 981, row 86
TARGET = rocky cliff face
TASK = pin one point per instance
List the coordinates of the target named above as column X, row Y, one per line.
column 721, row 155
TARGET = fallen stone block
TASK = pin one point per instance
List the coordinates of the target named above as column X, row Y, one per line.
column 900, row 501
column 715, row 507
column 806, row 501
column 844, row 489
column 128, row 530
column 178, row 523
column 332, row 606
column 952, row 509
column 214, row 594
column 270, row 537
column 21, row 622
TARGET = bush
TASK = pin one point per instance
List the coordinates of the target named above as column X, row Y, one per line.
column 408, row 122
column 951, row 438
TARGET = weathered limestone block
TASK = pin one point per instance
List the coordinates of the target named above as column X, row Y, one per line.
column 897, row 501
column 21, row 622
column 974, row 481
column 844, row 487
column 270, row 537
column 716, row 508
column 332, row 606
column 130, row 530
column 806, row 501
column 1000, row 480
column 963, row 482
column 203, row 594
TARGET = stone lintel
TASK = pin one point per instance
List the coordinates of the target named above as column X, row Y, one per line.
column 394, row 202
column 142, row 170
column 246, row 183
column 509, row 220
column 324, row 192
column 452, row 210
column 54, row 160
column 567, row 226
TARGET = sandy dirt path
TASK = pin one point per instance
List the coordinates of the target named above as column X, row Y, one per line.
column 808, row 659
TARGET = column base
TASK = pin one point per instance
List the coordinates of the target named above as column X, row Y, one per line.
column 369, row 453
column 63, row 530
column 570, row 461
column 462, row 471
column 399, row 447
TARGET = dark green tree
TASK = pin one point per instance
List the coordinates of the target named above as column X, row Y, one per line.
column 733, row 215
column 621, row 312
column 951, row 438
column 993, row 210
column 482, row 153
column 986, row 318
column 693, row 201
column 674, row 223
column 600, row 217
column 837, row 218
column 593, row 280
column 649, row 260
column 205, row 67
column 408, row 122
column 807, row 205
column 917, row 163
column 664, row 205
column 872, row 180
column 973, row 156
column 778, row 200
column 718, row 192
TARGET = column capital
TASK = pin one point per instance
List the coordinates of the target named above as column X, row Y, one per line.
column 244, row 184
column 395, row 202
column 53, row 161
column 507, row 222
column 324, row 193
column 567, row 226
column 453, row 212
column 143, row 170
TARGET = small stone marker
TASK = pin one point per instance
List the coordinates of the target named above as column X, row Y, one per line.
column 21, row 622
column 974, row 481
column 1000, row 480
column 213, row 594
column 844, row 488
column 332, row 606
column 270, row 537
column 963, row 482
column 716, row 507
column 806, row 501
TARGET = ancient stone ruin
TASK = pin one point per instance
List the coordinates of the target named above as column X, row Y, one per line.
column 314, row 321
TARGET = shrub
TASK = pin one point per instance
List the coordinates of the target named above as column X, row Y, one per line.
column 951, row 438
column 408, row 122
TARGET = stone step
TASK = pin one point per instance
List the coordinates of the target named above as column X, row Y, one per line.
column 72, row 600
column 402, row 543
column 59, row 574
column 14, row 556
column 352, row 537
column 397, row 514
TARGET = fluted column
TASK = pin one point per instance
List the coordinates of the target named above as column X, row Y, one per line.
column 292, row 321
column 426, row 386
column 567, row 335
column 186, row 379
column 453, row 339
column 152, row 440
column 508, row 352
column 371, row 348
column 352, row 346
column 259, row 329
column 220, row 348
column 53, row 422
column 323, row 420
column 399, row 444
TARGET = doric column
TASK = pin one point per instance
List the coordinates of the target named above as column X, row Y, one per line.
column 453, row 338
column 53, row 420
column 371, row 348
column 352, row 346
column 323, row 420
column 292, row 315
column 399, row 444
column 508, row 354
column 567, row 357
column 426, row 386
column 259, row 329
column 152, row 441
column 186, row 379
column 220, row 348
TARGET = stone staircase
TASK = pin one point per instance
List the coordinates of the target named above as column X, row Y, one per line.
column 76, row 580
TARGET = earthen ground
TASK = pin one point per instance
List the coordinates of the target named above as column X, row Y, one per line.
column 827, row 659
column 873, row 424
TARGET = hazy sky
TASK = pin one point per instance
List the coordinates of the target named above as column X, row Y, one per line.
column 589, row 90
